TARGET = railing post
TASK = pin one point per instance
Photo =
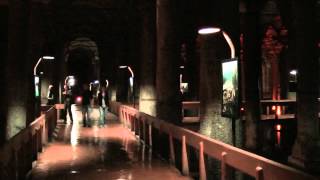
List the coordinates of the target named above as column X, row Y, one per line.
column 225, row 170
column 127, row 119
column 140, row 127
column 259, row 173
column 150, row 135
column 57, row 113
column 44, row 133
column 144, row 131
column 202, row 166
column 24, row 161
column 40, row 137
column 122, row 117
column 34, row 146
column 133, row 119
column 185, row 164
column 172, row 155
column 16, row 164
column 130, row 122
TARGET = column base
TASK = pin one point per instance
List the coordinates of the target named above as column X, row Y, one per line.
column 306, row 155
column 148, row 106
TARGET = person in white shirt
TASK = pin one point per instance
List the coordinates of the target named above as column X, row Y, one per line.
column 103, row 101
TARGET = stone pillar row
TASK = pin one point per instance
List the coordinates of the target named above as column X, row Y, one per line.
column 168, row 54
column 25, row 47
column 18, row 70
column 147, row 97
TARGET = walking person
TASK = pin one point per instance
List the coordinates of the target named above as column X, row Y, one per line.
column 103, row 101
column 86, row 98
column 67, row 103
column 50, row 95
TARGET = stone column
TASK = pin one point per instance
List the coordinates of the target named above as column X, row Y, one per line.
column 19, row 75
column 306, row 150
column 121, row 87
column 167, row 77
column 252, row 65
column 147, row 97
column 113, row 77
column 212, row 123
column 121, row 74
column 213, row 49
column 60, row 67
column 3, row 54
column 35, row 49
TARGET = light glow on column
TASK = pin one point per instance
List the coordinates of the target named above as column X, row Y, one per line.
column 17, row 117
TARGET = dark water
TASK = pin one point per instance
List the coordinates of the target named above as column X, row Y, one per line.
column 278, row 138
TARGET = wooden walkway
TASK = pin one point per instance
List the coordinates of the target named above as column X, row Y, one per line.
column 110, row 152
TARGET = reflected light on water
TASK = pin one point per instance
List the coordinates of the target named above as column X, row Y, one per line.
column 278, row 138
column 278, row 128
column 74, row 137
column 278, row 110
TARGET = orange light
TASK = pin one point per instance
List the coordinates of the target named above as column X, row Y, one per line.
column 278, row 110
column 273, row 108
column 278, row 138
column 278, row 127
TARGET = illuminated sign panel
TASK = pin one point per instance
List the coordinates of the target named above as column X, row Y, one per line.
column 230, row 95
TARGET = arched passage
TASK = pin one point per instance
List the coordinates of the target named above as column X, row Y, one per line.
column 82, row 60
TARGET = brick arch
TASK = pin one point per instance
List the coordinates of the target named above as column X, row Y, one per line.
column 83, row 43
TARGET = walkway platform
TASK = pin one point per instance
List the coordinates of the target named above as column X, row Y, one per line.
column 110, row 152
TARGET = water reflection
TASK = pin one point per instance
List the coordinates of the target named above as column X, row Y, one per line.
column 278, row 134
column 278, row 138
column 74, row 137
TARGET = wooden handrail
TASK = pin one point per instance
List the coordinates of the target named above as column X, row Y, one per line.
column 244, row 161
column 25, row 145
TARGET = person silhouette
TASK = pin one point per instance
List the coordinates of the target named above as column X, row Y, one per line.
column 67, row 103
column 103, row 101
column 50, row 95
column 86, row 98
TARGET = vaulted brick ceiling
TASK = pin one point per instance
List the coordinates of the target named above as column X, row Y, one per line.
column 96, row 19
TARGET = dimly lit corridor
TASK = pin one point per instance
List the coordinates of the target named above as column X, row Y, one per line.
column 194, row 89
